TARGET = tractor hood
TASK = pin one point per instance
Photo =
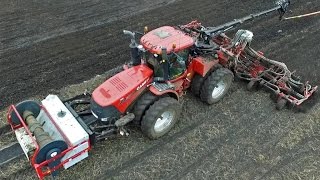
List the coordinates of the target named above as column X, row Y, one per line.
column 120, row 90
column 166, row 36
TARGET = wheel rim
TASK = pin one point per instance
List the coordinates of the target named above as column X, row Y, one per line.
column 219, row 89
column 164, row 121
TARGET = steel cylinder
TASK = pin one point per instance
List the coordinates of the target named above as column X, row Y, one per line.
column 43, row 138
column 49, row 147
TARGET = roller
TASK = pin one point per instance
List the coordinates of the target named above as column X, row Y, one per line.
column 49, row 147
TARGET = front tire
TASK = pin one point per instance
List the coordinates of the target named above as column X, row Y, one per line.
column 216, row 86
column 142, row 105
column 160, row 117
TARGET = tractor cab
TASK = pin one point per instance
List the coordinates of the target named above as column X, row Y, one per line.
column 169, row 37
column 175, row 63
column 166, row 44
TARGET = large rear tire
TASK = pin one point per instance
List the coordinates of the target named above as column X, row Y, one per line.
column 196, row 84
column 216, row 86
column 160, row 117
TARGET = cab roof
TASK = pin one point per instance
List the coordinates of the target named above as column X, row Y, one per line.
column 166, row 36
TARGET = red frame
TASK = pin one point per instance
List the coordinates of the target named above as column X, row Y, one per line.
column 39, row 168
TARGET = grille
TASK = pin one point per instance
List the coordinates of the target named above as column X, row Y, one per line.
column 109, row 112
column 120, row 85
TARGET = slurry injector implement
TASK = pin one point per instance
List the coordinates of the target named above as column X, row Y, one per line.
column 167, row 62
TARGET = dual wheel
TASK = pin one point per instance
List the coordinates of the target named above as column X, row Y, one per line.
column 156, row 115
column 214, row 87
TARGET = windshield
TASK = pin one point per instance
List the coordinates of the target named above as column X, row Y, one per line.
column 177, row 63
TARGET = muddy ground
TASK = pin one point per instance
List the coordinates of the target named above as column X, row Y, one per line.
column 242, row 137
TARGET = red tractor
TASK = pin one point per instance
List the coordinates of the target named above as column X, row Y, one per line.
column 166, row 62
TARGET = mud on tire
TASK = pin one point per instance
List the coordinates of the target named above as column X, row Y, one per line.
column 160, row 117
column 142, row 105
column 216, row 85
column 198, row 80
column 196, row 84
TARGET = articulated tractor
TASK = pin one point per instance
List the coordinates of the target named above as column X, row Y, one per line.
column 165, row 62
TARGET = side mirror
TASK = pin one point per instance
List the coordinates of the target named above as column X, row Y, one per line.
column 132, row 38
column 135, row 56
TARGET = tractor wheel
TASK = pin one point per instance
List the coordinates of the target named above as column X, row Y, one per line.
column 281, row 103
column 216, row 86
column 142, row 105
column 196, row 84
column 160, row 117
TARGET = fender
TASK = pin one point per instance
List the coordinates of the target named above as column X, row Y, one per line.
column 203, row 65
column 170, row 92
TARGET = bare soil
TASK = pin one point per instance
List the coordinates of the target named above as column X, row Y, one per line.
column 241, row 137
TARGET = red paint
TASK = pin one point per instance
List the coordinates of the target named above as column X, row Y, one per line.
column 202, row 65
column 256, row 69
column 158, row 93
column 165, row 37
column 126, row 85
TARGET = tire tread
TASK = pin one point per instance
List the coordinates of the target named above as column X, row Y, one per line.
column 148, row 120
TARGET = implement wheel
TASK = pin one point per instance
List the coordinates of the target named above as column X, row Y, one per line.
column 281, row 103
column 252, row 85
column 160, row 117
column 216, row 86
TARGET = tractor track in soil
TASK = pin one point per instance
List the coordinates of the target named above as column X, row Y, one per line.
column 46, row 64
column 219, row 142
column 75, row 52
column 41, row 64
column 227, row 138
column 9, row 153
column 5, row 129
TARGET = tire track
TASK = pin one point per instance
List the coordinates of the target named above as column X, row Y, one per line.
column 138, row 8
column 5, row 129
column 246, row 163
column 290, row 156
column 81, row 52
column 158, row 147
column 81, row 58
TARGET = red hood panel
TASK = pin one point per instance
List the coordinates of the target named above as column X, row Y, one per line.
column 166, row 36
column 121, row 85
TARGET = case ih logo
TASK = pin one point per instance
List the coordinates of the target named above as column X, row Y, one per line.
column 141, row 85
